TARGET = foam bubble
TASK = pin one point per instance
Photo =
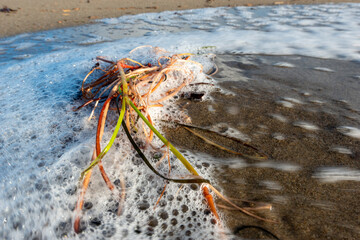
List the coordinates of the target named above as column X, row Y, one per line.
column 233, row 110
column 317, row 101
column 211, row 108
column 342, row 150
column 23, row 46
column 227, row 130
column 279, row 117
column 350, row 131
column 40, row 183
column 285, row 104
column 284, row 65
column 293, row 100
column 286, row 167
column 322, row 69
column 306, row 125
column 335, row 174
column 307, row 94
column 278, row 136
column 272, row 185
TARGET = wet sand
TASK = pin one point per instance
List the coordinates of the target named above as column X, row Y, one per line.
column 30, row 16
column 297, row 180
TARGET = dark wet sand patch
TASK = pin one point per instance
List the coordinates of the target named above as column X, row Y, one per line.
column 293, row 180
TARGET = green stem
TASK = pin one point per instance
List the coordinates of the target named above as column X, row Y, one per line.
column 123, row 80
column 118, row 125
column 108, row 146
column 164, row 140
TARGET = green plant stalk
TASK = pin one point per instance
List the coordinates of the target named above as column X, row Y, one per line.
column 164, row 140
column 124, row 91
column 123, row 81
column 108, row 146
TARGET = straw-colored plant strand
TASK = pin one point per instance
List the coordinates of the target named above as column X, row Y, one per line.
column 134, row 88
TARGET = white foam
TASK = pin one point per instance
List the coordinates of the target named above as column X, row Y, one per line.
column 279, row 199
column 286, row 167
column 293, row 100
column 211, row 108
column 285, row 104
column 24, row 45
column 233, row 110
column 336, row 174
column 272, row 185
column 237, row 163
column 317, row 101
column 279, row 117
column 350, row 131
column 323, row 69
column 278, row 136
column 227, row 130
column 48, row 146
column 342, row 150
column 284, row 65
column 306, row 125
column 306, row 94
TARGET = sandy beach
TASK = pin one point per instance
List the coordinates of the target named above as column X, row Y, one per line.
column 280, row 127
column 20, row 16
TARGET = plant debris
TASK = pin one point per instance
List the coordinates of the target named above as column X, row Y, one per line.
column 134, row 87
column 5, row 9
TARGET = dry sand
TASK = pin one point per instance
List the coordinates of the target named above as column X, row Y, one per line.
column 40, row 15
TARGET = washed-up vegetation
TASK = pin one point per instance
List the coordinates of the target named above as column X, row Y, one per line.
column 131, row 88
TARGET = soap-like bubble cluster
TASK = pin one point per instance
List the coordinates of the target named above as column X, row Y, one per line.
column 45, row 146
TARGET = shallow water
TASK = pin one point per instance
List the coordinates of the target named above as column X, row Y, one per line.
column 301, row 111
column 329, row 31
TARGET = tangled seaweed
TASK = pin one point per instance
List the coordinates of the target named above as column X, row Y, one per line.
column 134, row 88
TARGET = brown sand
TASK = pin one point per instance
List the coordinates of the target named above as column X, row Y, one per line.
column 303, row 206
column 40, row 15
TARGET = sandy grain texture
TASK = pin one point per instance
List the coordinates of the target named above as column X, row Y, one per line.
column 30, row 16
column 306, row 203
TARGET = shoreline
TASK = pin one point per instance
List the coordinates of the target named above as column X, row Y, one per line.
column 39, row 16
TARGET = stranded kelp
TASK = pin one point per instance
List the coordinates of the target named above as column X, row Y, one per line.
column 132, row 87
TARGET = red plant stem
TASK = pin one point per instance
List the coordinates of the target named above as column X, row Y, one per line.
column 100, row 130
column 151, row 132
column 80, row 201
column 123, row 65
column 87, row 103
column 210, row 201
column 97, row 150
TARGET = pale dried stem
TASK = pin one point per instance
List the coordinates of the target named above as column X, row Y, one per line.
column 266, row 207
column 237, row 207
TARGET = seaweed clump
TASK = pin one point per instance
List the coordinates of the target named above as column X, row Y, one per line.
column 132, row 87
